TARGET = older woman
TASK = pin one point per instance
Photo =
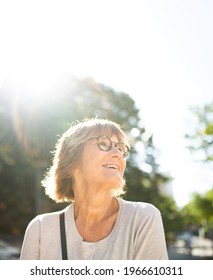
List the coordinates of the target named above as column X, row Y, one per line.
column 88, row 171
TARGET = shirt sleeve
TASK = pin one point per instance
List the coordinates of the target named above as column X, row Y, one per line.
column 150, row 241
column 31, row 244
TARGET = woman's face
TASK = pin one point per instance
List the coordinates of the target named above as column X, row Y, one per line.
column 103, row 168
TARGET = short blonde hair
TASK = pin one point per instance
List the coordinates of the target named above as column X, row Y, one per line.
column 58, row 181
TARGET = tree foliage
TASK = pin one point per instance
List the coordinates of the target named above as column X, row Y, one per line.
column 201, row 139
column 200, row 210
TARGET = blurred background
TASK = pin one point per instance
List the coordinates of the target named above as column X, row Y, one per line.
column 144, row 64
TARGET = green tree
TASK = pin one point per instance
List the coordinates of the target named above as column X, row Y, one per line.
column 201, row 138
column 200, row 209
column 198, row 212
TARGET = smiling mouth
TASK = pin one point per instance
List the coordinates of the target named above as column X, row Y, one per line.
column 111, row 166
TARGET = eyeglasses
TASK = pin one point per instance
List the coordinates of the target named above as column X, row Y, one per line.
column 105, row 144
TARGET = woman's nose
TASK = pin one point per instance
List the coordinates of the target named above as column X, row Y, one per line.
column 116, row 151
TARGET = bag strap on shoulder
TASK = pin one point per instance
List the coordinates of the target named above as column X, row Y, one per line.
column 63, row 236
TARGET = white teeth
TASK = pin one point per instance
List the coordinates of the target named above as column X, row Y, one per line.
column 111, row 166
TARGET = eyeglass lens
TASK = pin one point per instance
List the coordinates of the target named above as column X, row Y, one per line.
column 105, row 144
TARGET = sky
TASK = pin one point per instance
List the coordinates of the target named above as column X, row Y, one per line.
column 159, row 52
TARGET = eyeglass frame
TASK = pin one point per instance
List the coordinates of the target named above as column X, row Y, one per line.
column 125, row 154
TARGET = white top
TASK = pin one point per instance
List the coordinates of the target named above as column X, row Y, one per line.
column 137, row 234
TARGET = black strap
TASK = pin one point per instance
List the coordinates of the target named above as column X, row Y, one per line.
column 63, row 237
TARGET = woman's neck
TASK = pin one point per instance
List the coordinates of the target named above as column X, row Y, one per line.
column 95, row 209
column 95, row 219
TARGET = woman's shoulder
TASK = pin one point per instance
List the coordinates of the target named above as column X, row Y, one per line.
column 139, row 207
column 50, row 217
